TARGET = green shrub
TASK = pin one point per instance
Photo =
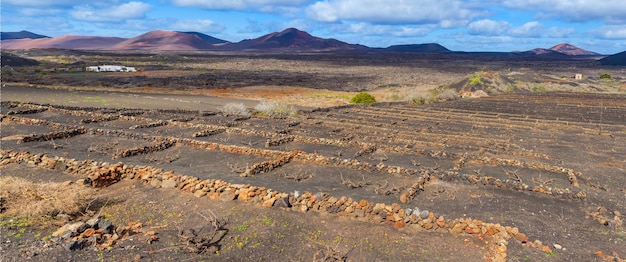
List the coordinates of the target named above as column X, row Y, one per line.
column 418, row 100
column 605, row 76
column 476, row 80
column 539, row 89
column 363, row 98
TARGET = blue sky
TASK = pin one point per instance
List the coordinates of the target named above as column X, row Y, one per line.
column 474, row 25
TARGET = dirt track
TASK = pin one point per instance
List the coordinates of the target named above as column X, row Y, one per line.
column 550, row 165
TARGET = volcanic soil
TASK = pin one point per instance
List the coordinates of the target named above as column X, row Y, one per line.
column 515, row 177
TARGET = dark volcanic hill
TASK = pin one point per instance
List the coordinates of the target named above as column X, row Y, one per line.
column 542, row 52
column 293, row 39
column 209, row 39
column 419, row 48
column 618, row 59
column 571, row 50
column 164, row 40
column 20, row 35
column 9, row 59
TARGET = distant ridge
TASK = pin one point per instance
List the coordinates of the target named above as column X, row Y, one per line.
column 20, row 35
column 419, row 48
column 292, row 38
column 618, row 59
column 288, row 40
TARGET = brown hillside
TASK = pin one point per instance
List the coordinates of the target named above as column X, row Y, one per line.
column 163, row 40
column 63, row 42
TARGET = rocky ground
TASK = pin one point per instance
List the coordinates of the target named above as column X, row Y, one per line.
column 511, row 177
column 152, row 166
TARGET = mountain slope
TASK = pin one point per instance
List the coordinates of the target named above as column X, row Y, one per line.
column 9, row 59
column 209, row 39
column 419, row 48
column 568, row 49
column 164, row 40
column 293, row 39
column 20, row 35
column 618, row 59
column 63, row 42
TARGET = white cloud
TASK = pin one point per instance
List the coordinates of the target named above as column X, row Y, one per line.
column 610, row 11
column 202, row 25
column 610, row 32
column 447, row 13
column 530, row 29
column 39, row 3
column 535, row 29
column 39, row 11
column 368, row 29
column 130, row 10
column 488, row 27
column 237, row 4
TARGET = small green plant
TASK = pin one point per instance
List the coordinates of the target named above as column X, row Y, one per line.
column 538, row 89
column 241, row 228
column 605, row 76
column 267, row 221
column 509, row 89
column 337, row 240
column 476, row 80
column 363, row 98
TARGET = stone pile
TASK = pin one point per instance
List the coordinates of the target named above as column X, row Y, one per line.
column 96, row 232
column 53, row 135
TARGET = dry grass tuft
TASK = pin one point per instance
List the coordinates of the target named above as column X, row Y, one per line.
column 23, row 198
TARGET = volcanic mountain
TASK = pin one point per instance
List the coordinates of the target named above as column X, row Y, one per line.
column 64, row 42
column 20, row 35
column 292, row 38
column 209, row 39
column 542, row 52
column 568, row 49
column 419, row 48
column 164, row 40
column 618, row 59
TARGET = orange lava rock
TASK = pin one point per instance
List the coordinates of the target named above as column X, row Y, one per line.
column 399, row 224
column 214, row 195
column 269, row 202
column 490, row 232
column 404, row 197
column 521, row 237
column 441, row 222
column 600, row 254
column 363, row 203
column 89, row 232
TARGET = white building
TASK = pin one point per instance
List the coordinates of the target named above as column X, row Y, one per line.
column 110, row 68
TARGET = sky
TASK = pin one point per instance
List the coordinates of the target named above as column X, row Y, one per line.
column 471, row 25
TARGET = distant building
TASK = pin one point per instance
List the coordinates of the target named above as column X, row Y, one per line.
column 578, row 76
column 110, row 68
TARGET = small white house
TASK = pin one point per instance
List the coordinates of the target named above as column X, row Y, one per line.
column 110, row 68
